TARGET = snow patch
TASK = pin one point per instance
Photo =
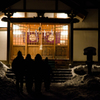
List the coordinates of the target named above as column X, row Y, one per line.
column 3, row 70
column 80, row 76
column 83, row 70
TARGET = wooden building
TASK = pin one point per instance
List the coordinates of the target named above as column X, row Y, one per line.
column 57, row 29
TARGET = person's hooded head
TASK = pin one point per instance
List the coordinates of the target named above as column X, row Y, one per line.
column 28, row 57
column 46, row 59
column 38, row 58
column 19, row 54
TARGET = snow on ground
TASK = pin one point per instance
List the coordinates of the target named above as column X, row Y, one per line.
column 3, row 69
column 80, row 87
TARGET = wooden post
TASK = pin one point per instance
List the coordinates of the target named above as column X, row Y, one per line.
column 11, row 42
column 8, row 14
column 8, row 40
column 40, row 40
column 71, row 39
column 71, row 43
column 54, row 40
column 55, row 16
column 25, row 14
column 68, row 41
column 26, row 41
column 99, row 35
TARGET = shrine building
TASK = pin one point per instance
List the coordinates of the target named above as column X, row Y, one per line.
column 57, row 29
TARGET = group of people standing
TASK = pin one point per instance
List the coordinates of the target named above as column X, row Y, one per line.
column 31, row 69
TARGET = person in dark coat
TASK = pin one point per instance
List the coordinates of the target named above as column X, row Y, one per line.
column 29, row 73
column 47, row 75
column 18, row 68
column 38, row 73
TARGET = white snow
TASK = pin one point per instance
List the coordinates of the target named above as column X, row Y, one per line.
column 80, row 87
column 3, row 69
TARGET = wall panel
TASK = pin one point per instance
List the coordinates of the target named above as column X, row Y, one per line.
column 83, row 39
column 3, row 45
column 91, row 20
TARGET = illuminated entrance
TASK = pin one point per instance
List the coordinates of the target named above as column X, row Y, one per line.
column 49, row 40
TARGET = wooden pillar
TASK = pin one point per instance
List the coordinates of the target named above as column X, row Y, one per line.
column 8, row 14
column 26, row 41
column 71, row 43
column 99, row 35
column 11, row 42
column 55, row 16
column 54, row 41
column 72, row 15
column 68, row 41
column 40, row 40
column 8, row 42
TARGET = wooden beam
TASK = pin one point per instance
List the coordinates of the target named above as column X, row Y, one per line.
column 36, row 10
column 40, row 20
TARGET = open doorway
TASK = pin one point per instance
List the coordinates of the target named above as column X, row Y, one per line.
column 49, row 40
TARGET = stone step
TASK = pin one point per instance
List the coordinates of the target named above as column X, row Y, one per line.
column 59, row 75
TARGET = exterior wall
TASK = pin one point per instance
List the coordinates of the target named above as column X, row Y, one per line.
column 2, row 24
column 91, row 21
column 84, row 37
column 3, row 40
column 3, row 45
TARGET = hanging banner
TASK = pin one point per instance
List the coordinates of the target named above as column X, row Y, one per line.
column 48, row 37
column 32, row 37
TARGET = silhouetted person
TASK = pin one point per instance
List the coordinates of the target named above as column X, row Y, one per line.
column 38, row 73
column 29, row 73
column 47, row 75
column 19, row 69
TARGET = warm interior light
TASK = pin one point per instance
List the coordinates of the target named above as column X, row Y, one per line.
column 40, row 47
column 16, row 30
column 62, row 41
column 18, row 14
column 62, row 15
column 65, row 27
column 15, row 27
column 64, row 33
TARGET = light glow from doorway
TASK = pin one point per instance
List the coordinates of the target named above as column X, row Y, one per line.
column 17, row 30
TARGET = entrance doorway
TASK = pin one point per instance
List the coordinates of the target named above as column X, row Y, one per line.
column 49, row 40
